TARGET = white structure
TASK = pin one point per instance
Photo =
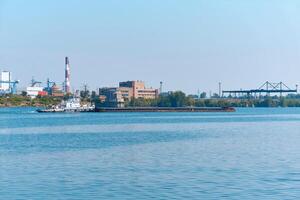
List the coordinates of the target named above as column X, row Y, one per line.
column 5, row 76
column 33, row 91
column 72, row 104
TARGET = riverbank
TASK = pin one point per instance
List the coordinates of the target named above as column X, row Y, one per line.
column 185, row 101
column 24, row 101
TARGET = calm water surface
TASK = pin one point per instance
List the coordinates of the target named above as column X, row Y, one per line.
column 251, row 154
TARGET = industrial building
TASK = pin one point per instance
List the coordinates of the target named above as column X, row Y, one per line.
column 52, row 89
column 111, row 97
column 138, row 90
column 6, row 78
column 34, row 89
column 56, row 91
column 116, row 96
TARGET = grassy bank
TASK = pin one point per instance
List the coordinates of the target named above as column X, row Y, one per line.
column 24, row 101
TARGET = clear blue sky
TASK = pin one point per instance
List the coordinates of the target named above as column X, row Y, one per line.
column 188, row 44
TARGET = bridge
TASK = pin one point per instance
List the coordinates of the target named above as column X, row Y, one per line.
column 266, row 88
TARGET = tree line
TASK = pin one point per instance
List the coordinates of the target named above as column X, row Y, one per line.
column 171, row 99
column 180, row 99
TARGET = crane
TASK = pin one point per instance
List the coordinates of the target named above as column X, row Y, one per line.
column 34, row 82
column 50, row 84
column 12, row 86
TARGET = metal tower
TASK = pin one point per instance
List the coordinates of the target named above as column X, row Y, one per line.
column 160, row 87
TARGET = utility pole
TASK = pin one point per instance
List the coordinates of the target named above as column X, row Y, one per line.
column 220, row 88
column 85, row 88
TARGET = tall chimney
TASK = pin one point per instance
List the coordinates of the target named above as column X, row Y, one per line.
column 67, row 76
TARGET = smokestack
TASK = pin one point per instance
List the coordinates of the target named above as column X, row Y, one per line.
column 67, row 76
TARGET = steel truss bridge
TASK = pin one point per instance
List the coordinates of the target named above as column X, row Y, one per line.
column 267, row 88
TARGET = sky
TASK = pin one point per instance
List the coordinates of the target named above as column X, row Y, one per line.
column 190, row 45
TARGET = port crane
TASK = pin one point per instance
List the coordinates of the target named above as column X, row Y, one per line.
column 12, row 86
column 34, row 82
column 50, row 84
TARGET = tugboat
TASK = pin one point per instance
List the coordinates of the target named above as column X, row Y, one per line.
column 71, row 105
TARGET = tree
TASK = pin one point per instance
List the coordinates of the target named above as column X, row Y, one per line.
column 177, row 99
column 164, row 101
column 203, row 95
column 190, row 101
column 24, row 93
column 84, row 93
column 93, row 94
column 215, row 95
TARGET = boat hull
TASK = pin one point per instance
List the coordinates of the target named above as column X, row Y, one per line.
column 65, row 110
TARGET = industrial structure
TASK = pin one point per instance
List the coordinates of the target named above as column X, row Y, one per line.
column 34, row 89
column 137, row 89
column 7, row 85
column 67, row 84
column 49, row 86
column 56, row 91
column 116, row 96
column 267, row 88
column 52, row 89
column 5, row 78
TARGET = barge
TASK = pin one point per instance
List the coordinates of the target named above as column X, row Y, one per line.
column 165, row 109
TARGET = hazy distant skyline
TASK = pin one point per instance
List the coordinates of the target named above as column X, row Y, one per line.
column 189, row 45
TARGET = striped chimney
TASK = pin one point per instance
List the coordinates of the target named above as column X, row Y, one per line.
column 67, row 76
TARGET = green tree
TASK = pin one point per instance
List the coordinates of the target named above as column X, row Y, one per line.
column 177, row 99
column 203, row 95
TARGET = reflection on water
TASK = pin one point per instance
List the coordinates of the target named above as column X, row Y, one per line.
column 253, row 153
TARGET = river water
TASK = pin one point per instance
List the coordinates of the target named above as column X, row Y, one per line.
column 250, row 154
